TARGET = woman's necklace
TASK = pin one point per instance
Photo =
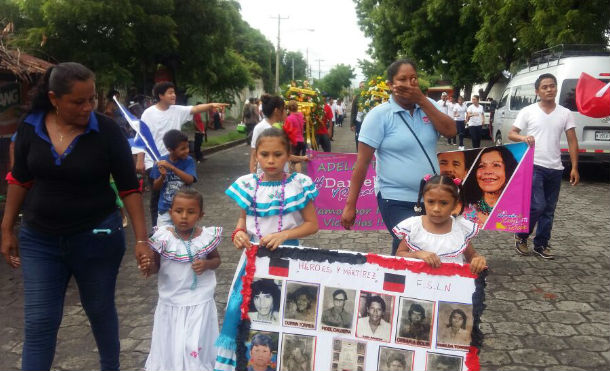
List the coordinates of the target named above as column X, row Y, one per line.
column 483, row 207
column 187, row 244
column 279, row 223
column 58, row 131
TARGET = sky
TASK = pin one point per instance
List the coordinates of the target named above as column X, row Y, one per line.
column 336, row 37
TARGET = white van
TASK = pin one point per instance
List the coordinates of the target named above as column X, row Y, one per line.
column 566, row 65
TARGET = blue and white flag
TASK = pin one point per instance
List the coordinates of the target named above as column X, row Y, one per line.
column 144, row 138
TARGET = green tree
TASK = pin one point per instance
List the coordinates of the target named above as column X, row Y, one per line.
column 205, row 56
column 438, row 35
column 338, row 78
column 254, row 47
column 446, row 36
column 371, row 69
column 512, row 30
column 289, row 59
column 104, row 35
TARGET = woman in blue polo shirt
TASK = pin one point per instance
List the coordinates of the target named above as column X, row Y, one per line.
column 64, row 156
column 402, row 134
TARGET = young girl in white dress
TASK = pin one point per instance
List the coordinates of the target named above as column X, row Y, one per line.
column 438, row 236
column 186, row 323
column 276, row 208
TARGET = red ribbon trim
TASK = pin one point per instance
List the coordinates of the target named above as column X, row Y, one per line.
column 472, row 359
column 396, row 263
column 246, row 290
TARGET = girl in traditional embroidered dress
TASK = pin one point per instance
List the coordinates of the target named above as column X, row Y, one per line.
column 186, row 322
column 437, row 236
column 276, row 209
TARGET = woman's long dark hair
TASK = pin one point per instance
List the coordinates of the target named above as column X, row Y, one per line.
column 472, row 191
column 58, row 79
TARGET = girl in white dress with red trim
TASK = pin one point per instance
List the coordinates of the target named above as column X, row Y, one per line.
column 186, row 323
column 437, row 236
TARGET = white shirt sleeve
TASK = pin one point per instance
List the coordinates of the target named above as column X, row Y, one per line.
column 522, row 120
column 570, row 123
column 184, row 113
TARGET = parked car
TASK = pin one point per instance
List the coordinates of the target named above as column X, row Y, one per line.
column 486, row 112
column 566, row 65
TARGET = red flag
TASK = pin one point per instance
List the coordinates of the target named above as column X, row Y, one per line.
column 592, row 96
column 394, row 282
column 279, row 267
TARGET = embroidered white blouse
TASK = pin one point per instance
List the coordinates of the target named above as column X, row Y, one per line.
column 449, row 246
column 299, row 190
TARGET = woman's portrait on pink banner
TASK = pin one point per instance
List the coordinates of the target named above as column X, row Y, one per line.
column 486, row 181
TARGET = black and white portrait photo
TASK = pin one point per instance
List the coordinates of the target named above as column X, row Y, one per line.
column 415, row 321
column 266, row 300
column 297, row 353
column 394, row 359
column 375, row 316
column 443, row 362
column 338, row 308
column 300, row 307
column 454, row 325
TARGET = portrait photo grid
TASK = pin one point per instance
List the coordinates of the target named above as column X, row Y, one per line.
column 355, row 318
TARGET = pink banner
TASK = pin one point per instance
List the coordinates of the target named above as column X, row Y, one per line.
column 497, row 185
column 331, row 173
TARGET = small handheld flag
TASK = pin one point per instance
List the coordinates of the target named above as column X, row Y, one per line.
column 144, row 138
column 279, row 267
column 394, row 282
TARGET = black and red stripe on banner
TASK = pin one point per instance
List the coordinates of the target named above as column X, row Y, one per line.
column 279, row 267
column 393, row 282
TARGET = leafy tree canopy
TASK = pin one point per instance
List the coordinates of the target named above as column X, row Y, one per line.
column 470, row 41
column 338, row 78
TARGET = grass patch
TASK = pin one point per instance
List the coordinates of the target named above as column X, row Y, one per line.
column 224, row 138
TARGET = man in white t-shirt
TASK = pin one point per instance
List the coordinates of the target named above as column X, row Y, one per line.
column 340, row 112
column 163, row 117
column 475, row 118
column 443, row 103
column 545, row 121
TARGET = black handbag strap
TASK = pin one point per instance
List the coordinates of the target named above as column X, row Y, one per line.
column 418, row 142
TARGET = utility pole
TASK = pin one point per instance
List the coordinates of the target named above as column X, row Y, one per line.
column 277, row 56
column 292, row 68
column 307, row 70
column 319, row 68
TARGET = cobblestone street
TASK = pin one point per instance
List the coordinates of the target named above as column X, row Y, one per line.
column 540, row 315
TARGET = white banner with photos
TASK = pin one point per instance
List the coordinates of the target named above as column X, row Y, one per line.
column 360, row 312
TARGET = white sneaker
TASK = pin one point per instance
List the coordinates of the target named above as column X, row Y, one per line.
column 461, row 148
